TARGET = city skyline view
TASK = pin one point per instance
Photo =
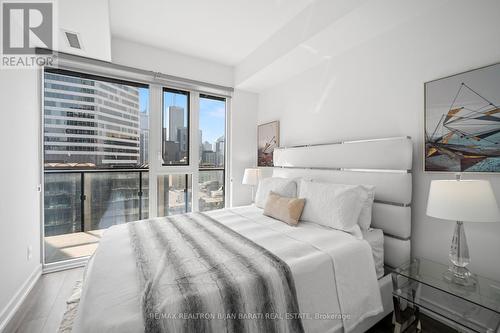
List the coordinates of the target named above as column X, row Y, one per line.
column 93, row 125
column 211, row 130
column 209, row 119
column 211, row 123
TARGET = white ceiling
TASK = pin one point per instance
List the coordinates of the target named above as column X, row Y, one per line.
column 350, row 23
column 224, row 31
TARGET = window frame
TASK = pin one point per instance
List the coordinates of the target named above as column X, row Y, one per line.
column 156, row 82
column 90, row 74
column 188, row 178
column 187, row 93
column 223, row 169
column 94, row 77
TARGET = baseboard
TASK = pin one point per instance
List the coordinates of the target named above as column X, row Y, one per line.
column 64, row 265
column 9, row 311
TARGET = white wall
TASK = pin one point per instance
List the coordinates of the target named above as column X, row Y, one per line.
column 243, row 144
column 19, row 172
column 375, row 89
column 19, row 137
column 169, row 62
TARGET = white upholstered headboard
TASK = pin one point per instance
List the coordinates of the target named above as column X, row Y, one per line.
column 385, row 163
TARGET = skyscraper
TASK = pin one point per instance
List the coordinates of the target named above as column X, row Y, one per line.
column 175, row 122
column 144, row 126
column 90, row 122
column 182, row 136
column 220, row 151
column 209, row 158
column 207, row 146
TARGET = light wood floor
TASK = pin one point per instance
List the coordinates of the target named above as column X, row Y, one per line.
column 44, row 307
column 70, row 246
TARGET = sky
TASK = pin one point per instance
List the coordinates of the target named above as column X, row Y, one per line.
column 212, row 119
column 212, row 112
column 143, row 99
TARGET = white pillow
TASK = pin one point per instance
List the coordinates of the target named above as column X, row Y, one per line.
column 367, row 193
column 332, row 205
column 365, row 216
column 282, row 186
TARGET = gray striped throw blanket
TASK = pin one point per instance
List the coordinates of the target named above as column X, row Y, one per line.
column 198, row 275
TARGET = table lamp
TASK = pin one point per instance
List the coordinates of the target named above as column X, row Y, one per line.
column 462, row 201
column 251, row 177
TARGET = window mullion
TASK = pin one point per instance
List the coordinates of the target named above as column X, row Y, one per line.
column 155, row 146
column 228, row 181
column 195, row 148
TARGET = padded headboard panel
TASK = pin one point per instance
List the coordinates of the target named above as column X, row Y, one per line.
column 385, row 163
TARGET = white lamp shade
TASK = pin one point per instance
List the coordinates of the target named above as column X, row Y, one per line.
column 463, row 200
column 251, row 176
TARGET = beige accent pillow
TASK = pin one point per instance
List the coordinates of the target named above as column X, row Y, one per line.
column 284, row 209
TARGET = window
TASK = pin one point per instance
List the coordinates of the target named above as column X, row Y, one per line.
column 63, row 209
column 94, row 122
column 211, row 190
column 174, row 194
column 96, row 142
column 212, row 132
column 175, row 130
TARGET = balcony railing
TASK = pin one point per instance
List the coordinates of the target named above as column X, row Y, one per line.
column 80, row 201
column 79, row 204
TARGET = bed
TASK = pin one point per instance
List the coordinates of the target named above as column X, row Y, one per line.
column 237, row 270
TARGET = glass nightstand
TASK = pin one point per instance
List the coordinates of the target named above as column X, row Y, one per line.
column 419, row 286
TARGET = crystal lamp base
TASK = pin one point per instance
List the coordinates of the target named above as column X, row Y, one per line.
column 459, row 256
column 461, row 276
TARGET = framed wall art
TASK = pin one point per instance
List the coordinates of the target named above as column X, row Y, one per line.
column 462, row 122
column 268, row 138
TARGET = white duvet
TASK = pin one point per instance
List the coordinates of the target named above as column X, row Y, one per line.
column 334, row 275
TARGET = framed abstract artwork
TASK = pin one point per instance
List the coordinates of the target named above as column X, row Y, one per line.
column 462, row 122
column 268, row 138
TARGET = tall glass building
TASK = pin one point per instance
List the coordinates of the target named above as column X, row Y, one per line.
column 93, row 125
column 89, row 122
